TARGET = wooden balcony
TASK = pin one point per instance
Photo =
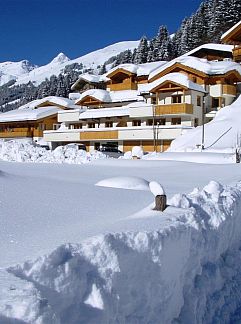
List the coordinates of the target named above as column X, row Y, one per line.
column 37, row 133
column 99, row 135
column 174, row 109
column 16, row 134
column 123, row 86
column 229, row 89
column 237, row 54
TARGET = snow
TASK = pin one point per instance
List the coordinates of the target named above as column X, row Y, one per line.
column 132, row 183
column 54, row 100
column 91, row 60
column 28, row 114
column 156, row 188
column 75, row 252
column 230, row 30
column 222, row 133
column 110, row 96
column 138, row 69
column 28, row 152
column 12, row 70
column 137, row 151
column 217, row 47
column 106, row 112
column 126, row 263
column 200, row 64
column 179, row 78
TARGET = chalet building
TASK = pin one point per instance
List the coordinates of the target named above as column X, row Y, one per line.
column 137, row 104
column 30, row 120
column 147, row 104
column 233, row 37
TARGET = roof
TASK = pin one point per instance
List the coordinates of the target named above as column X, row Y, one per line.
column 90, row 78
column 201, row 65
column 105, row 112
column 213, row 47
column 138, row 69
column 231, row 31
column 177, row 78
column 51, row 101
column 111, row 96
column 28, row 114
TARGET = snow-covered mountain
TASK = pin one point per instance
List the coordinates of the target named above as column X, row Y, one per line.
column 23, row 71
column 13, row 70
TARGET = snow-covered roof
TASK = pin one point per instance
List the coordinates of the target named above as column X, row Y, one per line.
column 111, row 96
column 138, row 69
column 236, row 26
column 178, row 78
column 105, row 112
column 28, row 114
column 91, row 78
column 211, row 46
column 201, row 65
column 54, row 100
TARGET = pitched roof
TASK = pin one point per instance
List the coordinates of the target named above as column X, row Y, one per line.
column 200, row 65
column 177, row 78
column 50, row 100
column 231, row 31
column 110, row 96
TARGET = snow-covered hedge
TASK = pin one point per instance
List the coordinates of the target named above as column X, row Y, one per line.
column 27, row 152
column 186, row 270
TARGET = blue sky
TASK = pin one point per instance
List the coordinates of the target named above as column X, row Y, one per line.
column 38, row 30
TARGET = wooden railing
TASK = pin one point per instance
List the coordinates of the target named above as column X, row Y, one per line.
column 123, row 86
column 229, row 89
column 97, row 135
column 15, row 134
column 174, row 109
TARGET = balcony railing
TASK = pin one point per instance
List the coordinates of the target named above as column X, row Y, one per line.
column 123, row 86
column 229, row 89
column 15, row 134
column 98, row 135
column 174, row 109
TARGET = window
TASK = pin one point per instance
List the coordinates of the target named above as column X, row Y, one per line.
column 176, row 99
column 109, row 124
column 136, row 123
column 161, row 121
column 153, row 100
column 195, row 122
column 75, row 126
column 199, row 101
column 91, row 125
column 176, row 121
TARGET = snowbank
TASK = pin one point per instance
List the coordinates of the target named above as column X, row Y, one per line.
column 16, row 151
column 222, row 133
column 132, row 183
column 185, row 270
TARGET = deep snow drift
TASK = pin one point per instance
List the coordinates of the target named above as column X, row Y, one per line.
column 221, row 134
column 185, row 268
column 27, row 152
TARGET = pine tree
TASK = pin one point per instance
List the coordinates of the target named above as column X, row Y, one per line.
column 142, row 51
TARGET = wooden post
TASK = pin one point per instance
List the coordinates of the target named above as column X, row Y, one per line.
column 160, row 202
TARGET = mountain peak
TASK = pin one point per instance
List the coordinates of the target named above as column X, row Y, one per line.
column 60, row 58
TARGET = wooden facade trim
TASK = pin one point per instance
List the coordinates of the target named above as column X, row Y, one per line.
column 160, row 87
column 88, row 101
column 120, row 70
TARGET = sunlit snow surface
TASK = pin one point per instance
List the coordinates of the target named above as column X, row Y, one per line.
column 151, row 265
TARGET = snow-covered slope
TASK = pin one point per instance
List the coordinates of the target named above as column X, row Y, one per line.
column 221, row 134
column 91, row 60
column 13, row 70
